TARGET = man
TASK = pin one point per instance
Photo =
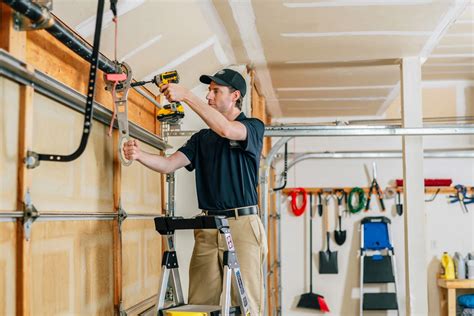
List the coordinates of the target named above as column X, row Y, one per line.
column 226, row 160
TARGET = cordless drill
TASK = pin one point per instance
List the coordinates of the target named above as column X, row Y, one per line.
column 173, row 112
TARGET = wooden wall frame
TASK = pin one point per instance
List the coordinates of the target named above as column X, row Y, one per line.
column 39, row 50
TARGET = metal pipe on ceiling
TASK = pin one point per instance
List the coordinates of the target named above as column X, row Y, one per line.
column 332, row 129
column 428, row 120
column 315, row 130
column 395, row 122
column 41, row 16
column 443, row 153
column 302, row 130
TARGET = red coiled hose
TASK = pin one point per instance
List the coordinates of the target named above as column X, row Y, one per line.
column 294, row 199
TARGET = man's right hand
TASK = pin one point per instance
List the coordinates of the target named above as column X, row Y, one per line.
column 131, row 150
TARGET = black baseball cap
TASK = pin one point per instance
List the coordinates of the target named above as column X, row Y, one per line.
column 227, row 77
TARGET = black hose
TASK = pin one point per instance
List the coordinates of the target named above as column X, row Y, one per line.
column 90, row 96
column 285, row 170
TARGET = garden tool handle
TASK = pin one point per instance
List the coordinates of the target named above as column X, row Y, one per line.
column 326, row 221
column 339, row 202
column 328, row 237
column 382, row 203
column 369, row 194
column 380, row 196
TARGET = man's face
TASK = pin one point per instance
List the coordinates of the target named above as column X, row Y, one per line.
column 220, row 97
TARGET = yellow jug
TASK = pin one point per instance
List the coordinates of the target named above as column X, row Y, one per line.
column 447, row 265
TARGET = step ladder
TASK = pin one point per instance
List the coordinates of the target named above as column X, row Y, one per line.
column 166, row 226
column 377, row 265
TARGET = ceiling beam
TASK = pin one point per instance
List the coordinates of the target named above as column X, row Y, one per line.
column 337, row 64
column 244, row 17
column 138, row 49
column 389, row 99
column 455, row 10
column 215, row 23
column 334, row 88
column 333, row 99
column 87, row 27
column 184, row 57
column 355, row 33
column 353, row 3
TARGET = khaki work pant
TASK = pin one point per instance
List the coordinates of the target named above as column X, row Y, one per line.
column 206, row 267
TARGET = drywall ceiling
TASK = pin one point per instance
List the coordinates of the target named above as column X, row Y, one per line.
column 311, row 58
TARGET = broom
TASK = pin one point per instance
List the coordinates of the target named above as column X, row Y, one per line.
column 312, row 300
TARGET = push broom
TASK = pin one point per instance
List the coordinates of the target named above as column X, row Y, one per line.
column 312, row 300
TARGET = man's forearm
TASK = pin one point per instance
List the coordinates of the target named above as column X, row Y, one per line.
column 155, row 162
column 215, row 120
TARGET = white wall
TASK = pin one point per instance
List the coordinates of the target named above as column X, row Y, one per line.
column 447, row 227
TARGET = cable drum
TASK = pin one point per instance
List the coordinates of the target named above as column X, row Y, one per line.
column 356, row 200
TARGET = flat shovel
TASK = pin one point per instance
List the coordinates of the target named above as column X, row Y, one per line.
column 327, row 259
column 340, row 235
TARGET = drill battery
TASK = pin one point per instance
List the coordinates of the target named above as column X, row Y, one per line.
column 171, row 113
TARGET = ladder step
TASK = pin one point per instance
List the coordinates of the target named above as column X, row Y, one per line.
column 198, row 310
column 380, row 301
column 378, row 270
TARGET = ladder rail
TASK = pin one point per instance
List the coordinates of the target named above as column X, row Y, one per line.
column 361, row 274
column 170, row 270
column 178, row 296
column 225, row 295
column 162, row 289
column 389, row 250
column 394, row 265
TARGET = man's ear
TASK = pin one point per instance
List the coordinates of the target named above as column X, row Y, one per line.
column 235, row 95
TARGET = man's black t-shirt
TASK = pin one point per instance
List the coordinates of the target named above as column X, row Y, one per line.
column 226, row 170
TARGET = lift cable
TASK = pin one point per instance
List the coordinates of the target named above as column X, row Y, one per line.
column 89, row 110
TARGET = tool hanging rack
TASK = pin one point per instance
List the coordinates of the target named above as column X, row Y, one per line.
column 326, row 190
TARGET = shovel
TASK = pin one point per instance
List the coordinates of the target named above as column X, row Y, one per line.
column 340, row 235
column 320, row 204
column 327, row 259
column 399, row 205
column 310, row 299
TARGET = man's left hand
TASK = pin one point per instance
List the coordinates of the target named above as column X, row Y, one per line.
column 173, row 92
